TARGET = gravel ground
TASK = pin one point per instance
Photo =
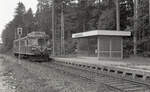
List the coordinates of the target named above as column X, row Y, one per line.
column 31, row 77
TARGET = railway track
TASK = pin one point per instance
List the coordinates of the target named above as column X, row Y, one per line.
column 115, row 83
column 90, row 73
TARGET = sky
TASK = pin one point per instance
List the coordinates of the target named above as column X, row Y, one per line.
column 7, row 10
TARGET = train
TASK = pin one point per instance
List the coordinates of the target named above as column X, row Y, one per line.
column 35, row 46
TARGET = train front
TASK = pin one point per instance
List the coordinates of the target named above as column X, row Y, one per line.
column 41, row 49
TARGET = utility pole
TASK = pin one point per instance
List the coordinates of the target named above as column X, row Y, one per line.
column 118, row 14
column 149, row 11
column 135, row 26
column 53, row 26
column 62, row 31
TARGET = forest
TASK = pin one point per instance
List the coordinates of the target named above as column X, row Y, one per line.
column 80, row 16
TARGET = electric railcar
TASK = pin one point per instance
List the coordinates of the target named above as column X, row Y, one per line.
column 34, row 46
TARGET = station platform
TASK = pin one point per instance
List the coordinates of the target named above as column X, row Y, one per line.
column 134, row 65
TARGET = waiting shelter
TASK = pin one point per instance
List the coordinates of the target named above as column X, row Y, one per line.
column 101, row 43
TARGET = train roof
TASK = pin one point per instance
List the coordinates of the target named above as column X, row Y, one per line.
column 34, row 34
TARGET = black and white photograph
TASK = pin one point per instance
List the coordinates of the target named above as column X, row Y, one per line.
column 75, row 46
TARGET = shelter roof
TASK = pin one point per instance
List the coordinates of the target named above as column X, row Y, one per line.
column 101, row 33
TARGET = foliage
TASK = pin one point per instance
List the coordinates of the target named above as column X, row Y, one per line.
column 29, row 21
column 79, row 16
column 21, row 19
column 43, row 18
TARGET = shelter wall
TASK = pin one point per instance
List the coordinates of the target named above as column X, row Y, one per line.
column 110, row 47
column 87, row 46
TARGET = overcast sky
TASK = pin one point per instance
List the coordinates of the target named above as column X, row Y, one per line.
column 7, row 10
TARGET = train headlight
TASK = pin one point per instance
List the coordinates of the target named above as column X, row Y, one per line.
column 33, row 48
column 49, row 49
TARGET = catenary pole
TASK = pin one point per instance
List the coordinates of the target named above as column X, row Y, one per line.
column 135, row 26
column 118, row 14
column 149, row 11
column 53, row 26
column 62, row 30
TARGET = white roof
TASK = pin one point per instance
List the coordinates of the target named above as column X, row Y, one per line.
column 36, row 33
column 101, row 33
column 33, row 34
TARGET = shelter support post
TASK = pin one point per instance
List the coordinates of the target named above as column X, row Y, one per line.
column 121, row 48
column 98, row 47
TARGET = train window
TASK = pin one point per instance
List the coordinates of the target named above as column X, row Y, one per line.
column 41, row 41
column 15, row 44
column 22, row 42
column 48, row 43
column 32, row 41
column 26, row 42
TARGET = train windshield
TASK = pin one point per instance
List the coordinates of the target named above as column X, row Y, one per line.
column 33, row 41
column 42, row 42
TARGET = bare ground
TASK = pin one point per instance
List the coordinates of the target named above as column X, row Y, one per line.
column 31, row 77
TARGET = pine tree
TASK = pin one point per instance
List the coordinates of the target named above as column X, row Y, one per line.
column 29, row 21
column 19, row 17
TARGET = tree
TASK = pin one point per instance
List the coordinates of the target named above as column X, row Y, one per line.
column 9, row 33
column 29, row 21
column 126, row 14
column 43, row 17
column 8, row 36
column 19, row 17
column 107, row 20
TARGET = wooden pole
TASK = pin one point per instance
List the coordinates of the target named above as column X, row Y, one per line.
column 135, row 26
column 53, row 27
column 118, row 14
